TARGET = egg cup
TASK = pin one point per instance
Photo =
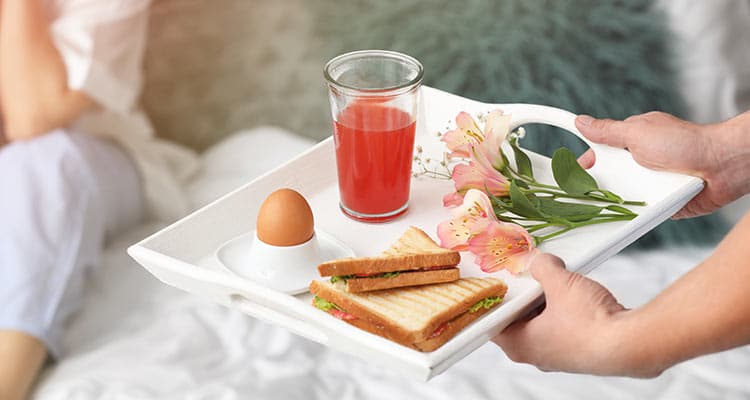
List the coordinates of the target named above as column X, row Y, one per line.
column 288, row 269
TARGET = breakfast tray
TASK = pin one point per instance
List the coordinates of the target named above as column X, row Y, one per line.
column 183, row 254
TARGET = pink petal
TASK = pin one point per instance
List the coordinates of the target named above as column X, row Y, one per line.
column 452, row 199
column 474, row 215
column 457, row 142
column 503, row 246
column 465, row 135
column 496, row 129
column 454, row 234
column 466, row 123
column 473, row 176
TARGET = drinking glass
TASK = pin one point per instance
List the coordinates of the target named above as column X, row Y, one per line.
column 374, row 96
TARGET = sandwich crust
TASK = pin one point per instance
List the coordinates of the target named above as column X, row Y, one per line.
column 356, row 285
column 454, row 326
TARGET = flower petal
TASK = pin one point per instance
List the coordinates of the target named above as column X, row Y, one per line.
column 466, row 134
column 468, row 125
column 477, row 174
column 454, row 234
column 473, row 216
column 503, row 246
column 496, row 128
column 458, row 143
column 452, row 199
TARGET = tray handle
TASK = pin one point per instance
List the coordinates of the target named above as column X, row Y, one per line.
column 266, row 314
column 538, row 114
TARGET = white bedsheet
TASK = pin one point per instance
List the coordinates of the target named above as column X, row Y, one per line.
column 140, row 339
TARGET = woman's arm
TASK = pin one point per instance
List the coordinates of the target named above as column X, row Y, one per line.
column 583, row 328
column 33, row 79
column 705, row 311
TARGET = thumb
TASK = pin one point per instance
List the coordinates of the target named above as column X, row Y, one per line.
column 587, row 159
column 549, row 271
column 605, row 131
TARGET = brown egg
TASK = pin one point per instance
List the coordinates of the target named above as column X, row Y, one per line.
column 285, row 219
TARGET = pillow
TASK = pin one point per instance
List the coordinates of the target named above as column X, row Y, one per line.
column 605, row 58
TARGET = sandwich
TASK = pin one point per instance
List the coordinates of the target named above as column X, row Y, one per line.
column 415, row 259
column 420, row 317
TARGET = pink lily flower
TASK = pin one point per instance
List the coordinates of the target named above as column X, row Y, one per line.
column 477, row 174
column 469, row 219
column 496, row 128
column 466, row 134
column 503, row 246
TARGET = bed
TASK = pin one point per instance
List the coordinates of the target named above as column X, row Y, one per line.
column 139, row 339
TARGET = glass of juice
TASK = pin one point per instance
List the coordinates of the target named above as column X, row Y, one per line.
column 374, row 97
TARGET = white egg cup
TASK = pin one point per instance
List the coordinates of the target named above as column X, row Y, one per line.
column 270, row 262
column 288, row 269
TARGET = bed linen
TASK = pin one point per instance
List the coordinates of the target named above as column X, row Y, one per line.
column 137, row 338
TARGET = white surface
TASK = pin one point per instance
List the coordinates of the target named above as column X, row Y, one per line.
column 181, row 255
column 140, row 339
column 287, row 269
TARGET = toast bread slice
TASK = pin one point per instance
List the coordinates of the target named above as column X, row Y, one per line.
column 430, row 344
column 416, row 278
column 413, row 250
column 410, row 315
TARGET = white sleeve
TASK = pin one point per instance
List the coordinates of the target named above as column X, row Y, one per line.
column 101, row 43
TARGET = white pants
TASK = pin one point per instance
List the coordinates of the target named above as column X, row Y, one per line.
column 61, row 195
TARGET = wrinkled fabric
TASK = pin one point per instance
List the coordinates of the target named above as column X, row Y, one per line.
column 61, row 195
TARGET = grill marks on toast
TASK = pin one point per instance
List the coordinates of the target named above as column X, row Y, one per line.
column 413, row 250
column 411, row 315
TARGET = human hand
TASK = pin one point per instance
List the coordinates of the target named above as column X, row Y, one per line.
column 659, row 141
column 576, row 332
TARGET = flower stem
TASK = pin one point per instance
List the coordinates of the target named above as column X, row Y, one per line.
column 541, row 185
column 591, row 197
column 540, row 239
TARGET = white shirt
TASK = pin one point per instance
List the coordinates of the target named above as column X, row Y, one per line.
column 102, row 44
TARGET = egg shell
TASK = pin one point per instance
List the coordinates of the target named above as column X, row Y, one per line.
column 285, row 219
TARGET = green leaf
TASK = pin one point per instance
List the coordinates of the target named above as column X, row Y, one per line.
column 620, row 209
column 523, row 163
column 521, row 204
column 486, row 303
column 611, row 196
column 389, row 274
column 342, row 278
column 324, row 305
column 573, row 212
column 569, row 175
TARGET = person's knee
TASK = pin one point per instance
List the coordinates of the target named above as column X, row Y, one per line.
column 46, row 165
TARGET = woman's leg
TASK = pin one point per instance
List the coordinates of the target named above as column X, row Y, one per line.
column 60, row 195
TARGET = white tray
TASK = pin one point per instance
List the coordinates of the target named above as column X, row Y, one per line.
column 182, row 255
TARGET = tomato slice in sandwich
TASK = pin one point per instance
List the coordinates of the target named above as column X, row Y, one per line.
column 342, row 315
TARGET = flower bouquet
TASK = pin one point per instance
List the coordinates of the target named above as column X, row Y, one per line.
column 500, row 212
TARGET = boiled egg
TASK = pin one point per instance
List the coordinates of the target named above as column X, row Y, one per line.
column 285, row 219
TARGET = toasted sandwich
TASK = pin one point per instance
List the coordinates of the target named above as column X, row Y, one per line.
column 420, row 317
column 415, row 259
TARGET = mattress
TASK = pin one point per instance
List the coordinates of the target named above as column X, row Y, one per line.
column 137, row 338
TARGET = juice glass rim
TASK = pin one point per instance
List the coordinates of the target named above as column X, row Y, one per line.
column 352, row 90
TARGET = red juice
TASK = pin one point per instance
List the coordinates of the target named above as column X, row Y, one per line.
column 374, row 150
